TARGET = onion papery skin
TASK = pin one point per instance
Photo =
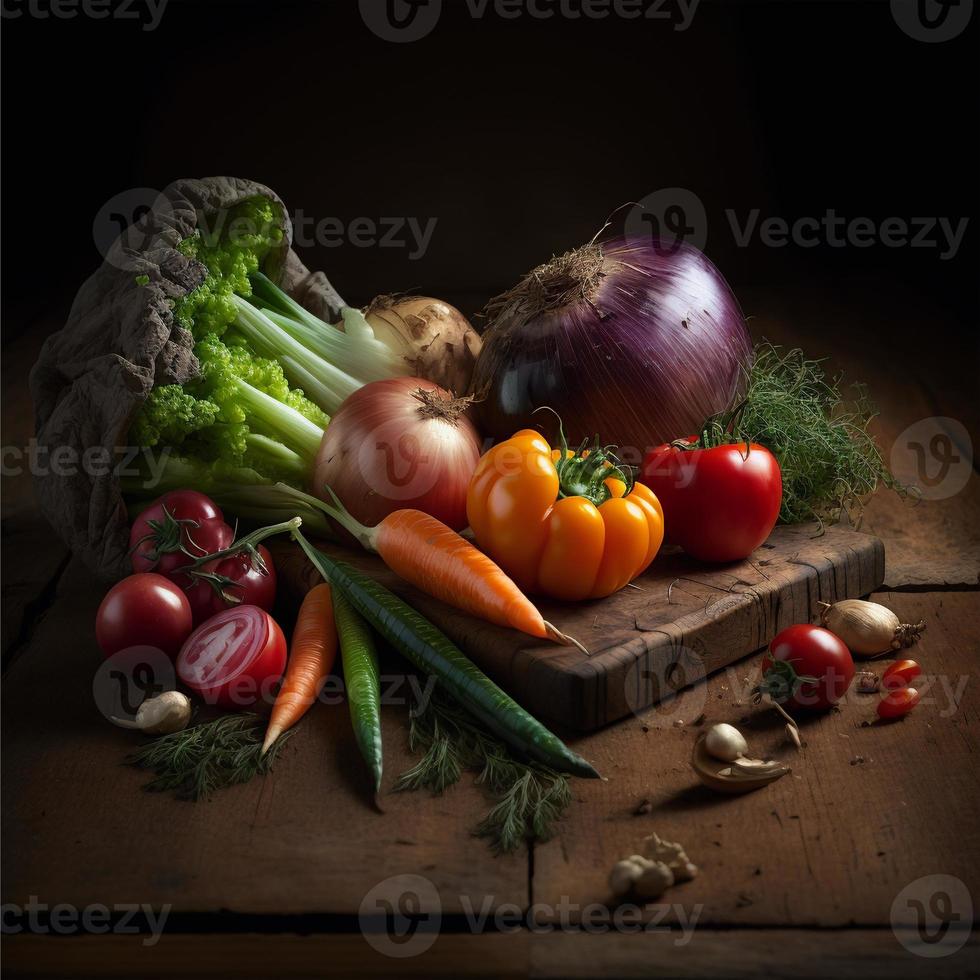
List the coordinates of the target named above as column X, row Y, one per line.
column 636, row 342
column 436, row 340
column 382, row 452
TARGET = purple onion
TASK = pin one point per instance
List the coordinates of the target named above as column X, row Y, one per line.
column 637, row 342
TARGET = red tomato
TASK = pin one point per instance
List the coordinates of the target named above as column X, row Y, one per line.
column 235, row 658
column 719, row 504
column 807, row 667
column 181, row 526
column 247, row 584
column 900, row 674
column 143, row 610
column 897, row 704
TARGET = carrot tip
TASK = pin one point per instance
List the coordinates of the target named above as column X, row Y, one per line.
column 556, row 634
column 270, row 736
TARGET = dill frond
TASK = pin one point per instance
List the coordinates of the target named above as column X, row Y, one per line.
column 828, row 458
column 531, row 798
column 208, row 757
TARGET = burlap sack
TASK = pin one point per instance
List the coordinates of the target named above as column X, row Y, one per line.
column 120, row 341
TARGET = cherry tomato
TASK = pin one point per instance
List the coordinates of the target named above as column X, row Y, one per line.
column 720, row 503
column 247, row 583
column 180, row 527
column 235, row 658
column 900, row 674
column 898, row 703
column 807, row 667
column 143, row 610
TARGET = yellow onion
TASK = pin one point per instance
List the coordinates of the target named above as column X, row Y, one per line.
column 433, row 336
column 868, row 628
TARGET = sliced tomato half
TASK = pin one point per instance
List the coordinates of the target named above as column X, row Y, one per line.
column 235, row 658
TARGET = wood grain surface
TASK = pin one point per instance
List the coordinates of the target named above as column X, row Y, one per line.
column 871, row 954
column 680, row 621
column 796, row 880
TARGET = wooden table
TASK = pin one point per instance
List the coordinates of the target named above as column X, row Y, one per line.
column 268, row 879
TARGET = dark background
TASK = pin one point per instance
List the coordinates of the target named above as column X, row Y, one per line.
column 520, row 137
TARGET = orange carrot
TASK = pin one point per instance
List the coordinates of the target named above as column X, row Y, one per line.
column 311, row 657
column 433, row 557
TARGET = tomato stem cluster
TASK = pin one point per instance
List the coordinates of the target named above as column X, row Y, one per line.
column 168, row 536
column 781, row 681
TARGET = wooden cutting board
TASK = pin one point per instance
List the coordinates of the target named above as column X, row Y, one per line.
column 682, row 621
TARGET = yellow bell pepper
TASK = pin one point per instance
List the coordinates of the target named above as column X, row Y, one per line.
column 571, row 525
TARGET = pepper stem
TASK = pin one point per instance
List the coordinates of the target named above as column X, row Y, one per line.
column 584, row 472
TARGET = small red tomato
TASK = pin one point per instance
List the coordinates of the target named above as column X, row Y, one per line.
column 900, row 674
column 235, row 580
column 719, row 503
column 807, row 667
column 143, row 610
column 175, row 530
column 898, row 703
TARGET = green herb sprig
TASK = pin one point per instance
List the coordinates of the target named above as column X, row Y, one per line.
column 828, row 458
column 531, row 798
column 208, row 757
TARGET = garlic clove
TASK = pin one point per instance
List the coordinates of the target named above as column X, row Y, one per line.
column 725, row 742
column 755, row 767
column 163, row 715
column 727, row 778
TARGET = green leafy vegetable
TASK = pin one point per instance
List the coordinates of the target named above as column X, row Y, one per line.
column 199, row 760
column 241, row 412
column 531, row 797
column 231, row 252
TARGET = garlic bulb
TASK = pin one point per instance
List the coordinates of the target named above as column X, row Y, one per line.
column 725, row 742
column 868, row 628
column 654, row 880
column 622, row 876
column 163, row 715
